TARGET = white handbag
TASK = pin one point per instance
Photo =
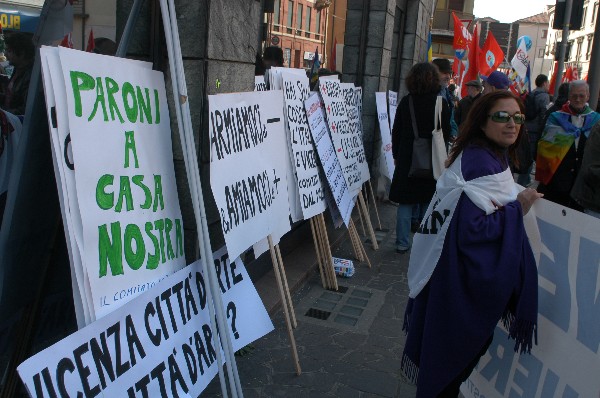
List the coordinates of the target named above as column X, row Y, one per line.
column 439, row 154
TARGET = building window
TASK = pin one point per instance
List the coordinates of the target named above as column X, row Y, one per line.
column 287, row 55
column 594, row 12
column 276, row 7
column 318, row 23
column 544, row 33
column 590, row 40
column 456, row 5
column 584, row 16
column 290, row 17
column 308, row 16
column 299, row 17
column 579, row 45
column 568, row 52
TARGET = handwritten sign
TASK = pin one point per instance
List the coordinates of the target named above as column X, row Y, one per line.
column 355, row 126
column 304, row 155
column 348, row 146
column 565, row 363
column 259, row 83
column 161, row 344
column 331, row 165
column 248, row 165
column 393, row 101
column 125, row 182
column 386, row 137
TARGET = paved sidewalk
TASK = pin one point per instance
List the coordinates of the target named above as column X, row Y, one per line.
column 356, row 351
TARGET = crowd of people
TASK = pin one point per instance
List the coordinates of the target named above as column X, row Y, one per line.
column 471, row 264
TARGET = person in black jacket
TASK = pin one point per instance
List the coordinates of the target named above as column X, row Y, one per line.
column 423, row 85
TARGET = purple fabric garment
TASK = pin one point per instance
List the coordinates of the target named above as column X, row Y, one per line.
column 486, row 272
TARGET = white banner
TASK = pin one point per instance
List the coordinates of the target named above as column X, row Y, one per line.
column 566, row 361
column 118, row 121
column 304, row 157
column 160, row 344
column 331, row 165
column 393, row 101
column 386, row 137
column 520, row 60
column 348, row 146
column 248, row 166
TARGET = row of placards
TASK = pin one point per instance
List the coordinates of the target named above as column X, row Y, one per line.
column 282, row 154
column 111, row 141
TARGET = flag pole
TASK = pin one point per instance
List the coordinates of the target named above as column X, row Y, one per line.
column 563, row 44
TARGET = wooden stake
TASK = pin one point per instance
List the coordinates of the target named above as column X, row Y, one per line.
column 375, row 205
column 285, row 307
column 327, row 252
column 360, row 217
column 286, row 288
column 362, row 204
column 355, row 241
column 318, row 251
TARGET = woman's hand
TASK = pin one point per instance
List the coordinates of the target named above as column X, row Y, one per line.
column 526, row 197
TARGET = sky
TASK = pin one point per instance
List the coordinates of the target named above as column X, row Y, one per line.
column 509, row 10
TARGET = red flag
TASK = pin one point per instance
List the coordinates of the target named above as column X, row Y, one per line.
column 333, row 54
column 491, row 55
column 571, row 74
column 462, row 37
column 66, row 41
column 553, row 79
column 473, row 56
column 90, row 44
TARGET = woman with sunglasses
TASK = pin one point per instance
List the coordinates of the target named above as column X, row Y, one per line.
column 471, row 263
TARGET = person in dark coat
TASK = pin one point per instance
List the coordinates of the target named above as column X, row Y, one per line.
column 474, row 88
column 20, row 52
column 423, row 85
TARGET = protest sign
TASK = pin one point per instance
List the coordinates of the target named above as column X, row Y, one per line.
column 259, row 83
column 355, row 126
column 565, row 362
column 159, row 345
column 386, row 137
column 124, row 179
column 304, row 157
column 332, row 169
column 348, row 145
column 393, row 103
column 248, row 166
column 359, row 103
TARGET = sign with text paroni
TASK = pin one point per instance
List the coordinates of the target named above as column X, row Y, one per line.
column 248, row 165
column 125, row 181
column 161, row 344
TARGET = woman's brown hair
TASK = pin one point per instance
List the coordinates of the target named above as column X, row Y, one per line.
column 423, row 78
column 471, row 132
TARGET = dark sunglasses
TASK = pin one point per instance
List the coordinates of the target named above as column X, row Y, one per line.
column 504, row 117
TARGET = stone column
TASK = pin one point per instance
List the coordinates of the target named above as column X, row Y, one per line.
column 219, row 42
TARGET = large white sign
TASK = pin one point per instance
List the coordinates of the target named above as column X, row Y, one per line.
column 566, row 361
column 118, row 126
column 248, row 166
column 304, row 157
column 160, row 344
column 331, row 165
column 347, row 143
column 386, row 138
